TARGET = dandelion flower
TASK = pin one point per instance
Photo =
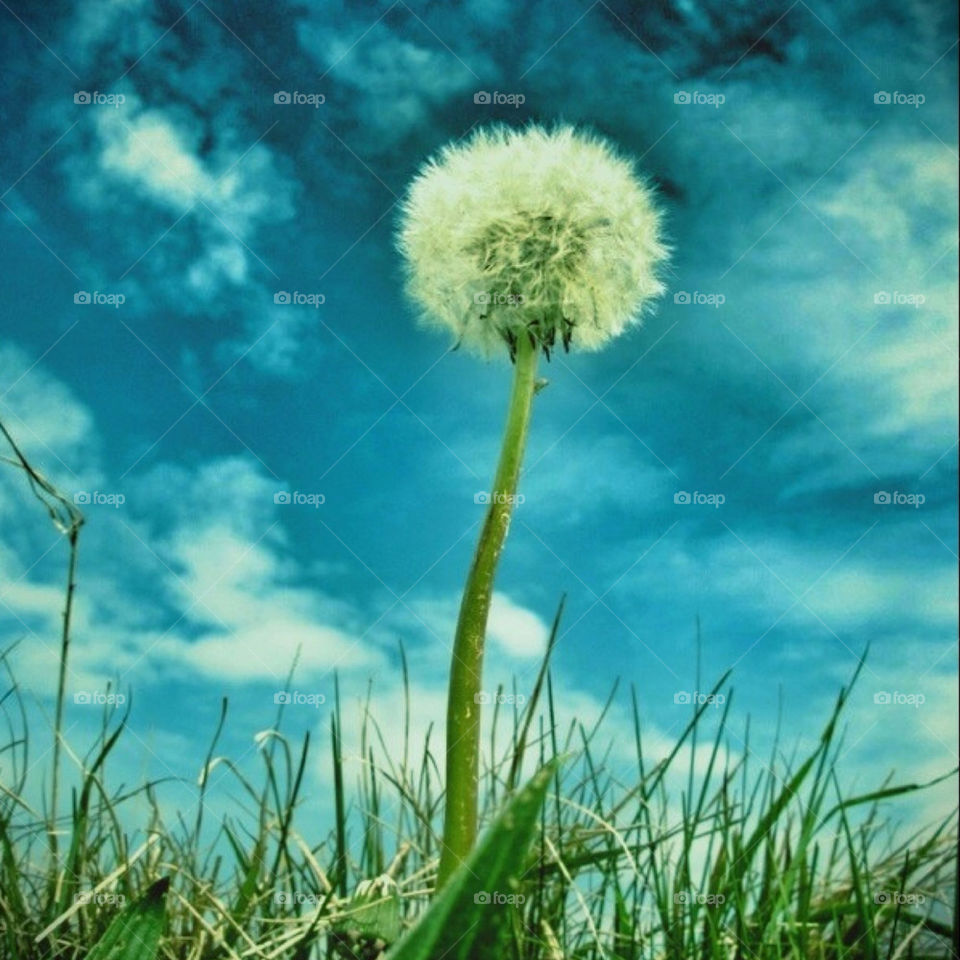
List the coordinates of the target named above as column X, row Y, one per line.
column 548, row 233
column 531, row 238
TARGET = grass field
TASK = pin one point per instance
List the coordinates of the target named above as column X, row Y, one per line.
column 738, row 858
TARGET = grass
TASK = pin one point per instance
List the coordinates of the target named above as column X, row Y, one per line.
column 669, row 859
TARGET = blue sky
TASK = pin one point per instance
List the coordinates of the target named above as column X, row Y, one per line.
column 800, row 366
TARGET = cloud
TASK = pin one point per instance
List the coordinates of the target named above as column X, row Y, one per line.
column 517, row 635
column 251, row 619
column 859, row 593
column 151, row 153
column 397, row 85
column 562, row 483
column 204, row 586
column 230, row 192
column 519, row 632
column 901, row 720
column 52, row 426
column 246, row 602
column 768, row 600
column 266, row 651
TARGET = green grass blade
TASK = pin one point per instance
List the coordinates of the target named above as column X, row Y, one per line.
column 463, row 923
column 135, row 933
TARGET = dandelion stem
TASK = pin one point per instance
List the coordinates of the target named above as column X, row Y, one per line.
column 466, row 670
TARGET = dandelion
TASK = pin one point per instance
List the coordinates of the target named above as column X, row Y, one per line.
column 521, row 241
column 548, row 234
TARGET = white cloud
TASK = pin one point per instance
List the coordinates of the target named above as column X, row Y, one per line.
column 396, row 83
column 564, row 484
column 774, row 580
column 264, row 651
column 151, row 152
column 96, row 23
column 236, row 188
column 227, row 260
column 915, row 739
column 516, row 634
column 50, row 424
column 905, row 366
column 190, row 204
column 517, row 631
column 857, row 593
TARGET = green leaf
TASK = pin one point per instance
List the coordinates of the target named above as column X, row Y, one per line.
column 135, row 932
column 373, row 912
column 470, row 916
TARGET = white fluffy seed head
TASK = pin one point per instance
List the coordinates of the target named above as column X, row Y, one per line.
column 534, row 232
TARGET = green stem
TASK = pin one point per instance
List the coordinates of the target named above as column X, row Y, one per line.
column 72, row 537
column 466, row 670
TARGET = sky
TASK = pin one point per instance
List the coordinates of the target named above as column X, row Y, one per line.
column 206, row 345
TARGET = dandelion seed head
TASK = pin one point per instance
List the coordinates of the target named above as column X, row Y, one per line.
column 547, row 233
